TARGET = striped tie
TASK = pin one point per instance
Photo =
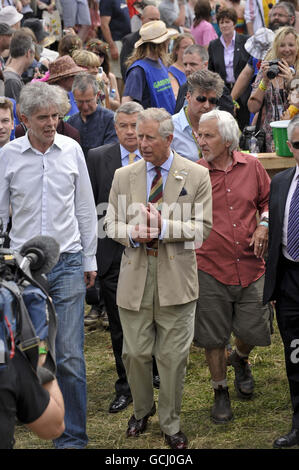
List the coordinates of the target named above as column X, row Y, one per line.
column 156, row 193
column 156, row 197
column 131, row 158
column 293, row 225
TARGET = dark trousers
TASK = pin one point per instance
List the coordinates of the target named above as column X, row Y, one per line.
column 108, row 284
column 287, row 313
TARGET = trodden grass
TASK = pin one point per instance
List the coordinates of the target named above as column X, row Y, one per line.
column 256, row 422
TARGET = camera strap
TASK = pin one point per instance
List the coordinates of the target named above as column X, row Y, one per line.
column 25, row 339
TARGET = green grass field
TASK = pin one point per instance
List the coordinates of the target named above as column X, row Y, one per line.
column 256, row 422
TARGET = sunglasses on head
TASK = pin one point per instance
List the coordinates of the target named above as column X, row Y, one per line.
column 295, row 145
column 203, row 99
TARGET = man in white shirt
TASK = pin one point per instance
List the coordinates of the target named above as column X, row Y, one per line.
column 44, row 179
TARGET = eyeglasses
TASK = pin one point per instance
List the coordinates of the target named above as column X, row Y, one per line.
column 203, row 99
column 295, row 145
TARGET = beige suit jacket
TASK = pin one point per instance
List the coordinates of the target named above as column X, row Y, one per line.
column 187, row 212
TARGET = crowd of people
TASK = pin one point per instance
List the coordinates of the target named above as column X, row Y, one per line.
column 120, row 138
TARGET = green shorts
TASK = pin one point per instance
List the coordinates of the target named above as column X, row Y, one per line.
column 223, row 309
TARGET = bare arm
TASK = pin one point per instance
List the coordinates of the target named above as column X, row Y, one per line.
column 105, row 21
column 50, row 424
column 180, row 21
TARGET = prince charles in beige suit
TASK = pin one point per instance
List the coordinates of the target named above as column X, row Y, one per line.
column 160, row 208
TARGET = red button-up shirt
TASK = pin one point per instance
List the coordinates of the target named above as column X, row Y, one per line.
column 238, row 194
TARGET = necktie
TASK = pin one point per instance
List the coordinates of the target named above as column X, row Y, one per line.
column 156, row 192
column 131, row 157
column 156, row 197
column 293, row 225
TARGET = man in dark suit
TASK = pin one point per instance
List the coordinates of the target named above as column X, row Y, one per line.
column 149, row 13
column 102, row 163
column 228, row 57
column 196, row 58
column 282, row 273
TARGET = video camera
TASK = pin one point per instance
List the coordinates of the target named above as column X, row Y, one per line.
column 27, row 314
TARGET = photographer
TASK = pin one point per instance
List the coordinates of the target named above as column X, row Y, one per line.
column 41, row 408
column 270, row 88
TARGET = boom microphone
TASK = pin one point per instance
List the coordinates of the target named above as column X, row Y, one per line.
column 42, row 252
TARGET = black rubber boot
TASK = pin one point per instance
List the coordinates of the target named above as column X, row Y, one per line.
column 221, row 411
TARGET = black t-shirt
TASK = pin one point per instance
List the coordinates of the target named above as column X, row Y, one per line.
column 21, row 396
column 120, row 24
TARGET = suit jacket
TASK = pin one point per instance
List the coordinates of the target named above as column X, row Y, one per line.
column 225, row 101
column 278, row 195
column 187, row 184
column 241, row 56
column 102, row 162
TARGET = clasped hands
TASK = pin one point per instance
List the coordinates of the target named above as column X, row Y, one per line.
column 150, row 226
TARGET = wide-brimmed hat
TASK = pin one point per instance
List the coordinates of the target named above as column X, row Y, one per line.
column 156, row 32
column 258, row 44
column 6, row 30
column 63, row 67
column 10, row 16
column 41, row 35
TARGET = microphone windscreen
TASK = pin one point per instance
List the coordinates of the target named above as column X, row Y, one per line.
column 49, row 249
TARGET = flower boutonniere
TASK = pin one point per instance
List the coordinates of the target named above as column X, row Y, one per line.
column 177, row 176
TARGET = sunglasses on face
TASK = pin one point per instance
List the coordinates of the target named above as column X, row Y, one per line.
column 295, row 145
column 203, row 99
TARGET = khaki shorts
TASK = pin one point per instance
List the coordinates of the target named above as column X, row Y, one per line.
column 223, row 309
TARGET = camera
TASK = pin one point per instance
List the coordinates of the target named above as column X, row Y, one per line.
column 273, row 70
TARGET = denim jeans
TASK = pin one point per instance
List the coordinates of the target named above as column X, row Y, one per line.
column 67, row 289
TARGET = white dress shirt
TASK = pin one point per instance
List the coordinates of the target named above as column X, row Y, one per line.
column 286, row 215
column 50, row 194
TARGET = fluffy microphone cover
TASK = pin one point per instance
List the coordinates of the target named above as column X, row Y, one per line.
column 49, row 249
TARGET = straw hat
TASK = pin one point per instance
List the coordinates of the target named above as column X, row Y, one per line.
column 258, row 44
column 63, row 67
column 156, row 32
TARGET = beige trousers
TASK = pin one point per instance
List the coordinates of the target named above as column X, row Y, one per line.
column 166, row 333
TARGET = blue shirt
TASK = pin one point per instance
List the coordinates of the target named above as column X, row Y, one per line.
column 183, row 141
column 124, row 155
column 120, row 24
column 98, row 129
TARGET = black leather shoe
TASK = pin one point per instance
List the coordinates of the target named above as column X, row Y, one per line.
column 138, row 426
column 156, row 381
column 177, row 441
column 120, row 403
column 289, row 440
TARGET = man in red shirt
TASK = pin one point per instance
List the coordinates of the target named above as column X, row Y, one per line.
column 230, row 262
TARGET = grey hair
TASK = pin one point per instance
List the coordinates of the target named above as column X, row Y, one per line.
column 292, row 125
column 205, row 80
column 159, row 115
column 37, row 95
column 199, row 50
column 227, row 126
column 83, row 80
column 289, row 8
column 128, row 108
